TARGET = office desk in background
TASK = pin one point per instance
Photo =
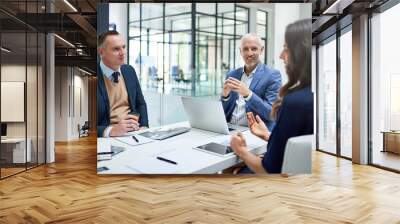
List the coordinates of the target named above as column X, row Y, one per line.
column 391, row 141
column 13, row 150
column 141, row 159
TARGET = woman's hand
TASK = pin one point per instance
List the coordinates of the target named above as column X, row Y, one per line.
column 257, row 126
column 238, row 144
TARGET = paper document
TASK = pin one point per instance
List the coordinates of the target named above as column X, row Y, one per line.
column 107, row 155
column 151, row 165
column 103, row 145
column 131, row 141
column 190, row 159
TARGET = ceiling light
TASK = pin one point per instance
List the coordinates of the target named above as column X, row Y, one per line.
column 337, row 7
column 86, row 72
column 70, row 5
column 5, row 50
column 64, row 40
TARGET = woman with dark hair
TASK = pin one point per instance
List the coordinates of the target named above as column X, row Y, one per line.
column 293, row 110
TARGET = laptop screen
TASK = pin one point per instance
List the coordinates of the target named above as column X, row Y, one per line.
column 205, row 114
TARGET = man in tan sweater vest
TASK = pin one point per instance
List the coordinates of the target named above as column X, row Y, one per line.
column 120, row 103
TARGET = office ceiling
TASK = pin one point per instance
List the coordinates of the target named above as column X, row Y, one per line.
column 330, row 15
column 75, row 21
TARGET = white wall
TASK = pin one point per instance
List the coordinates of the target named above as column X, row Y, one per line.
column 33, row 126
column 118, row 14
column 80, row 102
column 284, row 14
column 314, row 88
column 61, row 103
column 69, row 85
column 50, row 93
column 15, row 72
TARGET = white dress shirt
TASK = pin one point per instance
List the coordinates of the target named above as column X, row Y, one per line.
column 107, row 71
column 239, row 113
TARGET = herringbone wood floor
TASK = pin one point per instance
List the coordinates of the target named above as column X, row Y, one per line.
column 70, row 191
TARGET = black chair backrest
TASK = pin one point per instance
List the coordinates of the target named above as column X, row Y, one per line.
column 86, row 125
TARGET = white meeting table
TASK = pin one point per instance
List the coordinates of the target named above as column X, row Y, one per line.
column 141, row 159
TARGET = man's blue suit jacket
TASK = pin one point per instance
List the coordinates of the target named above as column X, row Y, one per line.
column 135, row 96
column 265, row 87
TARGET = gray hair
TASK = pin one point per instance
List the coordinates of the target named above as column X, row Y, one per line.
column 251, row 36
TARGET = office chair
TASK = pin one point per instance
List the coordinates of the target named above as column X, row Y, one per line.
column 297, row 158
column 84, row 130
column 186, row 82
column 153, row 74
column 175, row 73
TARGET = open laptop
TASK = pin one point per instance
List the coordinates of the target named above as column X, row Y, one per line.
column 208, row 115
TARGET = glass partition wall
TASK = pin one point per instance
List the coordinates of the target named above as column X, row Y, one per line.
column 22, row 63
column 345, row 109
column 385, row 90
column 327, row 79
column 334, row 95
column 161, row 49
column 334, row 80
column 262, row 21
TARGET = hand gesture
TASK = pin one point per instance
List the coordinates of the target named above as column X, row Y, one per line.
column 237, row 86
column 257, row 126
column 127, row 123
column 238, row 144
column 227, row 89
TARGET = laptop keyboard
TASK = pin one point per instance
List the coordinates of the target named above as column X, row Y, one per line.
column 161, row 135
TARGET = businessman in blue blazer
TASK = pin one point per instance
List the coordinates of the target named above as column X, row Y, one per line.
column 252, row 88
column 121, row 107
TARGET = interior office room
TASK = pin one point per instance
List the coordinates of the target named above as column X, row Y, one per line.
column 45, row 85
column 159, row 46
column 355, row 109
column 22, row 98
column 355, row 173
